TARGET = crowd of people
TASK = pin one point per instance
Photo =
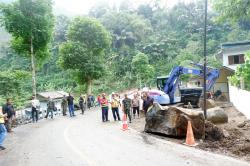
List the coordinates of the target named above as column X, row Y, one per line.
column 131, row 106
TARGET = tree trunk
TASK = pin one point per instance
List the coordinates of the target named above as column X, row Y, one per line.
column 33, row 68
column 89, row 86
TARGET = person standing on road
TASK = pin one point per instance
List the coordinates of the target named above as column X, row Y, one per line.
column 126, row 107
column 92, row 101
column 89, row 101
column 81, row 103
column 64, row 105
column 3, row 131
column 147, row 102
column 51, row 107
column 98, row 100
column 115, row 103
column 34, row 110
column 105, row 108
column 8, row 109
column 70, row 100
column 135, row 105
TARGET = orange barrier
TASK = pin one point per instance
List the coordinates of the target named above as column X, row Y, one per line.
column 124, row 123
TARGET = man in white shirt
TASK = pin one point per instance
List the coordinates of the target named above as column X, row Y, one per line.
column 34, row 111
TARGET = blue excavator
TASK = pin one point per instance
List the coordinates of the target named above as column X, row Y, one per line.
column 169, row 85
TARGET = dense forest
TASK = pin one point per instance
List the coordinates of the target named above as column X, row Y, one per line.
column 146, row 42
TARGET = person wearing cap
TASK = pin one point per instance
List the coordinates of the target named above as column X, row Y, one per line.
column 3, row 130
column 104, row 104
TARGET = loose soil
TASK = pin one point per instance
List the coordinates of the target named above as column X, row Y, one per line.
column 232, row 138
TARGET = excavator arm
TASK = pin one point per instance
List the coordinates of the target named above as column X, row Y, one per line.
column 173, row 79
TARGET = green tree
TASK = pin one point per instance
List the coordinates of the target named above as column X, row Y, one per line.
column 145, row 10
column 84, row 49
column 141, row 68
column 232, row 10
column 126, row 5
column 30, row 22
column 242, row 73
column 99, row 10
column 10, row 82
column 126, row 28
column 61, row 27
column 13, row 84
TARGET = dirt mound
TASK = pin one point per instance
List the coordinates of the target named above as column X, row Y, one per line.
column 244, row 125
column 235, row 144
column 212, row 132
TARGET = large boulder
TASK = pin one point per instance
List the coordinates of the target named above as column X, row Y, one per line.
column 222, row 98
column 217, row 115
column 209, row 103
column 172, row 121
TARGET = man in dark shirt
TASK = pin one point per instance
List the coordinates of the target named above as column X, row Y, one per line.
column 147, row 102
column 8, row 109
column 82, row 103
column 70, row 100
column 64, row 105
column 51, row 107
column 127, row 105
column 89, row 101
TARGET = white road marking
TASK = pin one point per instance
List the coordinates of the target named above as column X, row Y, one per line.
column 75, row 149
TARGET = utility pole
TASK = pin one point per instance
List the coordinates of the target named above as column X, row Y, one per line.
column 205, row 63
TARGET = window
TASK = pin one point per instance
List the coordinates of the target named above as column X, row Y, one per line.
column 236, row 59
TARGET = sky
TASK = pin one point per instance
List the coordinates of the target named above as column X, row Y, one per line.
column 77, row 7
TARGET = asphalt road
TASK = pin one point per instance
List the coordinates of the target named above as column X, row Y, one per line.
column 85, row 140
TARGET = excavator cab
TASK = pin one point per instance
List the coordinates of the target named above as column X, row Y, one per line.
column 161, row 82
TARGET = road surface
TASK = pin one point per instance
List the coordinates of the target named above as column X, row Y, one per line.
column 86, row 141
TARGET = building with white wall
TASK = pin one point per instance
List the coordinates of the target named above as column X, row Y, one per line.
column 233, row 53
